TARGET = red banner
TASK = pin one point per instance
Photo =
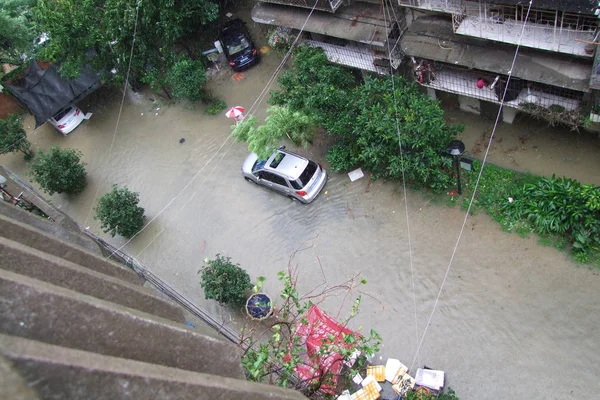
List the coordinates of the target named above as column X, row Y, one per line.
column 315, row 335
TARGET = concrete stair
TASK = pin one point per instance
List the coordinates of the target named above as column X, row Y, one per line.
column 74, row 325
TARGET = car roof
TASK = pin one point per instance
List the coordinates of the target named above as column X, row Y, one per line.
column 291, row 165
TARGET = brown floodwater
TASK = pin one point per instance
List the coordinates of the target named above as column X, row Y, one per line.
column 515, row 319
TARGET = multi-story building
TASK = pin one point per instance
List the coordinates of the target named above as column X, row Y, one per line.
column 465, row 49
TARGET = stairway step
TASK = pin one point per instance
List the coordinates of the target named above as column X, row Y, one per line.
column 47, row 243
column 48, row 313
column 33, row 263
column 64, row 373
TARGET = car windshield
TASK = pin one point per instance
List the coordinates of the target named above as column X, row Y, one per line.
column 305, row 176
column 237, row 44
column 61, row 114
column 258, row 165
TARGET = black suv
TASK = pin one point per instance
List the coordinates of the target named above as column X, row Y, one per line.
column 238, row 46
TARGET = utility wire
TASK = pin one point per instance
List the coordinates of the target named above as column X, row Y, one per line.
column 112, row 144
column 410, row 255
column 475, row 188
column 252, row 109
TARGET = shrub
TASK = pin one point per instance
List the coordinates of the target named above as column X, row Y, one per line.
column 59, row 171
column 224, row 281
column 187, row 79
column 216, row 107
column 119, row 213
column 13, row 138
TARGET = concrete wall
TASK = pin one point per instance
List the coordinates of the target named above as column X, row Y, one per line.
column 74, row 325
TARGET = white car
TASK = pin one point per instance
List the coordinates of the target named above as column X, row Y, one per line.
column 67, row 120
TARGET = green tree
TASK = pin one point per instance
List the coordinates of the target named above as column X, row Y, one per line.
column 59, row 171
column 224, row 281
column 282, row 123
column 107, row 27
column 386, row 114
column 17, row 30
column 187, row 79
column 13, row 138
column 119, row 213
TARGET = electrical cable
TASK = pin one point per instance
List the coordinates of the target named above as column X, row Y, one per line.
column 252, row 109
column 474, row 189
column 410, row 255
column 112, row 144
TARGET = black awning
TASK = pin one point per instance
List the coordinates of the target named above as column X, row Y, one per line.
column 45, row 92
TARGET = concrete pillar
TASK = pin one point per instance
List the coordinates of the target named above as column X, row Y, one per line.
column 469, row 104
column 431, row 93
column 509, row 114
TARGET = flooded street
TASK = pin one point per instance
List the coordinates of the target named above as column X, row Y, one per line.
column 515, row 319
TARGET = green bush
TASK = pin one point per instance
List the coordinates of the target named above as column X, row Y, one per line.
column 224, row 281
column 13, row 138
column 59, row 171
column 216, row 107
column 187, row 79
column 119, row 213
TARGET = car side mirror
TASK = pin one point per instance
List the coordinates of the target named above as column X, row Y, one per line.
column 281, row 148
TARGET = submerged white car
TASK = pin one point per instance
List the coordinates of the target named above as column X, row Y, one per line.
column 67, row 120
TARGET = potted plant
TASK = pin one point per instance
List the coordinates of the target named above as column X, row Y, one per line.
column 259, row 305
column 224, row 281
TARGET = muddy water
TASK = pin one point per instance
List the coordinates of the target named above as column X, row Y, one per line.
column 515, row 319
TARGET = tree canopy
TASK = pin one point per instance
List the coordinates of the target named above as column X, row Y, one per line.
column 100, row 33
column 17, row 30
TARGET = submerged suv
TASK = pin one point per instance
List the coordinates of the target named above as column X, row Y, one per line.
column 287, row 173
column 238, row 45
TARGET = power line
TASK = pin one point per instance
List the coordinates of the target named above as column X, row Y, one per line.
column 476, row 186
column 252, row 109
column 410, row 256
column 112, row 144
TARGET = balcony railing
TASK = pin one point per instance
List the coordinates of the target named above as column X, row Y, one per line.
column 550, row 30
column 322, row 5
column 446, row 6
column 535, row 98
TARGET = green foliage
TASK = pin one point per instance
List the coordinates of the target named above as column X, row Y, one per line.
column 107, row 27
column 187, row 79
column 224, row 281
column 281, row 123
column 283, row 351
column 119, row 213
column 59, row 171
column 562, row 211
column 17, row 30
column 317, row 88
column 444, row 395
column 372, row 119
column 13, row 138
column 216, row 107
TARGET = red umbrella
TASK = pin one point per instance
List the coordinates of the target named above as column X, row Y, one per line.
column 234, row 112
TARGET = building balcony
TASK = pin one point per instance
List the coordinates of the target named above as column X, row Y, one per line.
column 549, row 30
column 445, row 6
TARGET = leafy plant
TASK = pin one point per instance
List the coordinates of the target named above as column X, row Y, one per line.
column 281, row 123
column 224, row 281
column 444, row 395
column 119, row 213
column 13, row 137
column 275, row 359
column 216, row 107
column 59, row 171
column 17, row 30
column 187, row 79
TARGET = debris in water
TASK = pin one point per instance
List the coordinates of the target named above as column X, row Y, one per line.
column 156, row 113
column 142, row 113
column 356, row 174
column 181, row 140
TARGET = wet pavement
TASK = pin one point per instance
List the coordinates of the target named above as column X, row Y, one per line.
column 515, row 319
